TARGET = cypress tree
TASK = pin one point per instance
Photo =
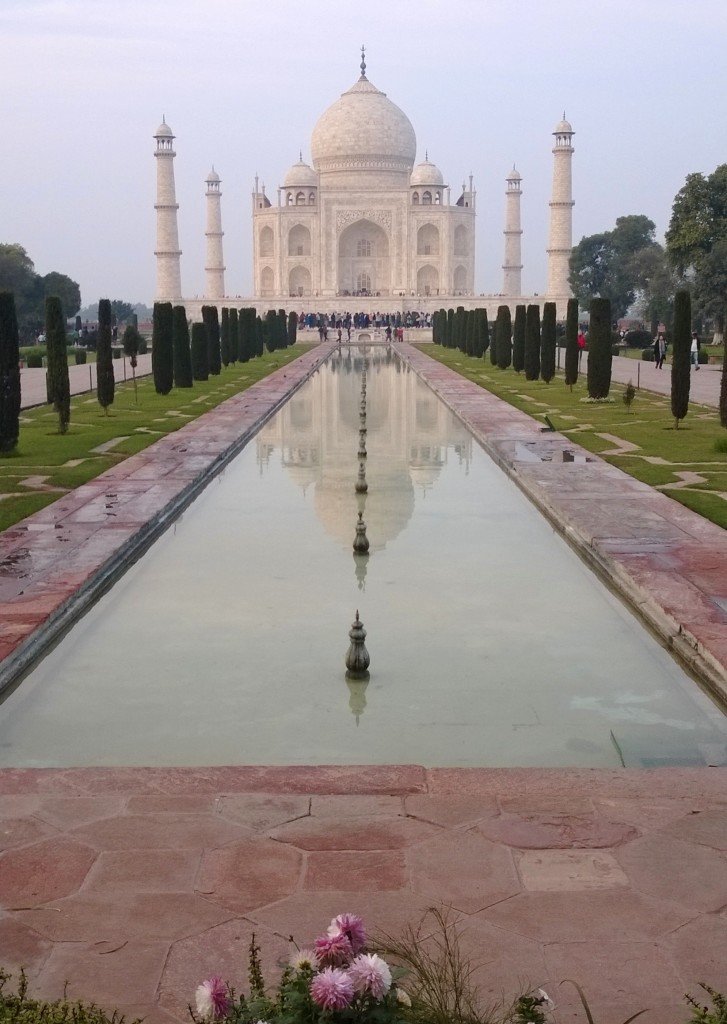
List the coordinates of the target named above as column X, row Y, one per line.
column 225, row 337
column 104, row 360
column 518, row 339
column 485, row 332
column 681, row 356
column 493, row 343
column 282, row 329
column 200, row 352
column 131, row 341
column 247, row 329
column 292, row 328
column 449, row 335
column 182, row 357
column 458, row 339
column 532, row 342
column 234, row 328
column 547, row 343
column 471, row 335
column 599, row 349
column 479, row 343
column 259, row 335
column 59, row 388
column 269, row 330
column 9, row 373
column 571, row 343
column 723, row 389
column 162, row 352
column 211, row 322
column 503, row 331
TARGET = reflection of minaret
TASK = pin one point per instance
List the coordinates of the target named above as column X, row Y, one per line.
column 561, row 212
column 512, row 278
column 167, row 252
column 215, row 266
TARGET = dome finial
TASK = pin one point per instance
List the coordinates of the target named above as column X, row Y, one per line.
column 363, row 61
column 426, row 155
column 300, row 156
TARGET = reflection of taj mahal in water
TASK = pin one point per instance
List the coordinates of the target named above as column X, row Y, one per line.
column 411, row 435
column 365, row 221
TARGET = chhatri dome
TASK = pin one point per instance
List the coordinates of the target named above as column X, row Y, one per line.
column 427, row 173
column 363, row 134
column 300, row 175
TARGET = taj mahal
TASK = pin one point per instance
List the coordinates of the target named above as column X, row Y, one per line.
column 365, row 225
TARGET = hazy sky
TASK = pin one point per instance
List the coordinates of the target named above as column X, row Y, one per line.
column 85, row 84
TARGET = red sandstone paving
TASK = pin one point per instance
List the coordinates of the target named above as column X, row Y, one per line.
column 140, row 925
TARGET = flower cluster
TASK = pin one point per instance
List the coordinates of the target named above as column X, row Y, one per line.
column 337, row 974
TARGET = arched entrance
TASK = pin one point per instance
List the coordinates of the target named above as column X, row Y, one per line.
column 363, row 260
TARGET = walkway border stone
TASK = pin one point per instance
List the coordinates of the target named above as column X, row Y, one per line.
column 668, row 563
column 56, row 563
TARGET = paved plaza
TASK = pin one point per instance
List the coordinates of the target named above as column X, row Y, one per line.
column 81, row 378
column 134, row 884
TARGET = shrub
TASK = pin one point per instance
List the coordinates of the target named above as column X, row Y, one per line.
column 181, row 356
column 34, row 360
column 547, row 343
column 200, row 350
column 571, row 343
column 211, row 322
column 116, row 352
column 19, row 1008
column 81, row 356
column 59, row 388
column 599, row 349
column 615, row 350
column 503, row 333
column 681, row 354
column 518, row 339
column 648, row 355
column 162, row 352
column 532, row 342
column 105, row 384
column 143, row 346
column 638, row 339
column 702, row 357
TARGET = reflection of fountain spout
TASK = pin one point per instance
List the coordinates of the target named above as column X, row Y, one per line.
column 357, row 700
column 361, row 563
column 362, row 453
column 361, row 484
column 357, row 657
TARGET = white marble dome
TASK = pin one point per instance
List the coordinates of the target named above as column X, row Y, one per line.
column 563, row 128
column 164, row 131
column 365, row 134
column 426, row 173
column 301, row 175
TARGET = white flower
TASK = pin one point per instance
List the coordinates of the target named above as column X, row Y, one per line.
column 203, row 998
column 370, row 975
column 402, row 997
column 547, row 1001
column 303, row 960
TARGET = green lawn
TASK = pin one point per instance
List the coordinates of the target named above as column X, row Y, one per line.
column 46, row 463
column 661, row 453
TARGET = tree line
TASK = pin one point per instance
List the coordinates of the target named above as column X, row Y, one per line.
column 529, row 345
column 179, row 357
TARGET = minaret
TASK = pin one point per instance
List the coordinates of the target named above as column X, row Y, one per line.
column 512, row 267
column 167, row 252
column 215, row 266
column 561, row 213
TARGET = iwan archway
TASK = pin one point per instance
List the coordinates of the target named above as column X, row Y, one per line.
column 364, row 265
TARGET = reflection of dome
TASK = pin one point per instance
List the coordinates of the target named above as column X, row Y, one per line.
column 363, row 132
column 301, row 175
column 426, row 173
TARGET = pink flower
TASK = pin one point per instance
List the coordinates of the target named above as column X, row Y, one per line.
column 352, row 927
column 370, row 975
column 212, row 998
column 334, row 950
column 332, row 989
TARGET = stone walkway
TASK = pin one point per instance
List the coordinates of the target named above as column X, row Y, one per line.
column 703, row 387
column 81, row 379
column 133, row 885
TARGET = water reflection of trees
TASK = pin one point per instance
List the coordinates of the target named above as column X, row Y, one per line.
column 411, row 436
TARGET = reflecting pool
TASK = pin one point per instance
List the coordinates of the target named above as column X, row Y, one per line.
column 491, row 643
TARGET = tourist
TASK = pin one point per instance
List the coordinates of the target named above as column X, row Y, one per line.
column 695, row 350
column 659, row 351
column 581, row 342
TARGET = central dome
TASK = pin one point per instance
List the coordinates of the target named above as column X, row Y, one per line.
column 364, row 135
